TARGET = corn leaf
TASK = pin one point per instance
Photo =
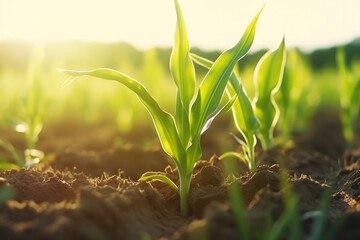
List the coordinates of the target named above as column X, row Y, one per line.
column 7, row 166
column 295, row 81
column 224, row 109
column 14, row 154
column 181, row 66
column 243, row 112
column 233, row 155
column 163, row 121
column 268, row 77
column 159, row 177
column 213, row 85
column 183, row 73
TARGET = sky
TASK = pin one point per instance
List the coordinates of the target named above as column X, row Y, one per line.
column 211, row 24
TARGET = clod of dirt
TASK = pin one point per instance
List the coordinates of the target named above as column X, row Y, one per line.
column 131, row 159
column 201, row 197
column 349, row 227
column 351, row 159
column 261, row 177
column 309, row 192
column 349, row 193
column 91, row 194
column 207, row 175
column 38, row 186
column 218, row 223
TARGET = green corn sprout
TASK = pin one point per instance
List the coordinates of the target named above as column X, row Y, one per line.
column 349, row 98
column 296, row 79
column 262, row 121
column 180, row 135
column 268, row 76
column 34, row 106
column 4, row 163
column 243, row 113
column 31, row 125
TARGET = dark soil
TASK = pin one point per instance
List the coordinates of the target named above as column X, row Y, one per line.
column 88, row 188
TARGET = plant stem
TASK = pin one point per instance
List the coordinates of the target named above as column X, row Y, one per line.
column 185, row 179
column 251, row 158
column 251, row 142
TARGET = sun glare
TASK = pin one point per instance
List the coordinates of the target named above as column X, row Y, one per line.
column 211, row 24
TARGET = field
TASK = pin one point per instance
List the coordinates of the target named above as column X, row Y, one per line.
column 85, row 161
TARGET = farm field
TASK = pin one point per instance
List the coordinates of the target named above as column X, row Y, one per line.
column 182, row 143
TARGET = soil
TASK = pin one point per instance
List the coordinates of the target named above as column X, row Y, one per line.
column 88, row 189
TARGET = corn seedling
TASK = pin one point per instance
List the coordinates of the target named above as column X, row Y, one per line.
column 349, row 98
column 237, row 201
column 4, row 163
column 262, row 120
column 31, row 126
column 295, row 81
column 290, row 220
column 180, row 135
column 268, row 77
column 243, row 113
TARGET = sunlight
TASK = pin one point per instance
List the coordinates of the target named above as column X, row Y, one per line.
column 211, row 24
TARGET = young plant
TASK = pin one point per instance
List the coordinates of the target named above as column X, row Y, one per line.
column 244, row 116
column 31, row 125
column 268, row 76
column 261, row 121
column 180, row 135
column 295, row 81
column 5, row 163
column 349, row 98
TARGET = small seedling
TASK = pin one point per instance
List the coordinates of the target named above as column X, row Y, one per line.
column 268, row 77
column 28, row 159
column 180, row 135
column 260, row 116
column 244, row 116
column 31, row 123
column 4, row 163
column 291, row 102
column 349, row 98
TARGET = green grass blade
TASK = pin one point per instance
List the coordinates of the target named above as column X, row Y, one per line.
column 163, row 121
column 213, row 85
column 268, row 77
column 183, row 73
column 162, row 178
column 237, row 202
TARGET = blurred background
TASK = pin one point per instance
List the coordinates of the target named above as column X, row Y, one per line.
column 39, row 37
